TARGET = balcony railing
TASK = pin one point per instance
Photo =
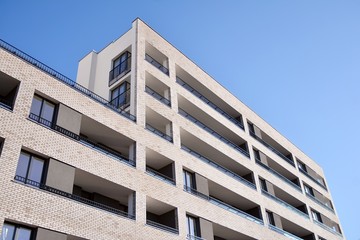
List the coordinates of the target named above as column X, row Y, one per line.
column 223, row 205
column 83, row 140
column 48, row 70
column 292, row 208
column 212, row 132
column 219, row 167
column 211, row 104
column 297, row 187
column 285, row 233
column 320, row 202
column 156, row 64
column 157, row 96
column 160, row 176
column 312, row 178
column 159, row 133
column 327, row 228
column 162, row 226
column 74, row 197
column 6, row 103
column 277, row 152
column 119, row 71
column 192, row 237
column 122, row 101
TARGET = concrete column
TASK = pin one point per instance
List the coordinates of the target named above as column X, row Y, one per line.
column 168, row 129
column 140, row 157
column 132, row 152
column 140, row 207
column 167, row 94
column 202, row 185
column 179, row 175
column 131, row 203
column 69, row 119
column 206, row 229
column 60, row 176
column 44, row 234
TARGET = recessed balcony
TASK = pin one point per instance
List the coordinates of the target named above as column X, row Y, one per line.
column 8, row 91
column 161, row 215
column 158, row 125
column 318, row 198
column 325, row 222
column 156, row 58
column 157, row 89
column 160, row 167
column 310, row 173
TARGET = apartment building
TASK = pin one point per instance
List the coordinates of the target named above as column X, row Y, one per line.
column 146, row 145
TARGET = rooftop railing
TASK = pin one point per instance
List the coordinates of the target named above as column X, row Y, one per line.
column 312, row 178
column 156, row 64
column 122, row 101
column 120, row 70
column 162, row 226
column 327, row 228
column 297, row 187
column 285, row 204
column 285, row 233
column 73, row 197
column 85, row 141
column 157, row 96
column 219, row 167
column 277, row 152
column 212, row 132
column 320, row 202
column 211, row 104
column 223, row 205
column 159, row 175
column 60, row 77
column 159, row 133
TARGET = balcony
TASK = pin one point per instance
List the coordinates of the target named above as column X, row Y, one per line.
column 122, row 101
column 8, row 90
column 235, row 117
column 212, row 126
column 160, row 167
column 119, row 71
column 318, row 198
column 58, row 76
column 271, row 144
column 326, row 223
column 158, row 125
column 324, row 226
column 161, row 215
column 156, row 58
column 311, row 174
column 158, row 96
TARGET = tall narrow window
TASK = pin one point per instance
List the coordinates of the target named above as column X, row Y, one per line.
column 308, row 190
column 42, row 110
column 271, row 219
column 257, row 154
column 316, row 216
column 15, row 232
column 120, row 96
column 120, row 67
column 1, row 144
column 193, row 229
column 263, row 184
column 189, row 181
column 30, row 169
column 302, row 166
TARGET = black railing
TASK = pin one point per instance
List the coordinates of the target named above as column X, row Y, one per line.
column 81, row 139
column 162, row 226
column 312, row 178
column 297, row 187
column 156, row 64
column 274, row 150
column 219, row 167
column 120, row 70
column 319, row 202
column 157, row 96
column 239, row 123
column 74, row 197
column 223, row 205
column 6, row 103
column 122, row 101
column 159, row 175
column 212, row 132
column 48, row 70
column 159, row 133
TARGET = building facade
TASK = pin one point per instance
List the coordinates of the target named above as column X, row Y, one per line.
column 146, row 145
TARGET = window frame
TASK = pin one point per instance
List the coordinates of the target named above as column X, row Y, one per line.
column 40, row 116
column 19, row 226
column 270, row 217
column 119, row 93
column 43, row 170
column 187, row 175
column 196, row 232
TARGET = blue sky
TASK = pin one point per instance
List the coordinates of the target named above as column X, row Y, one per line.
column 295, row 63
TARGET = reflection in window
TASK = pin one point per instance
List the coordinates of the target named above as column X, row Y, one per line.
column 42, row 108
column 30, row 169
column 120, row 96
column 15, row 232
column 189, row 180
column 192, row 227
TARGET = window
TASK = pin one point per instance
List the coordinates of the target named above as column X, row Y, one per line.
column 316, row 215
column 1, row 144
column 263, row 184
column 302, row 166
column 120, row 67
column 30, row 169
column 42, row 110
column 308, row 190
column 120, row 96
column 257, row 154
column 15, row 232
column 251, row 128
column 193, row 229
column 271, row 219
column 189, row 181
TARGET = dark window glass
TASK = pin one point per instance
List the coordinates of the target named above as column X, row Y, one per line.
column 316, row 216
column 1, row 144
column 271, row 218
column 120, row 95
column 251, row 127
column 308, row 190
column 30, row 168
column 42, row 108
column 189, row 180
column 263, row 184
column 257, row 154
column 15, row 232
column 192, row 226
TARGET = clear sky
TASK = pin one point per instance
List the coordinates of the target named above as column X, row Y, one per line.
column 295, row 63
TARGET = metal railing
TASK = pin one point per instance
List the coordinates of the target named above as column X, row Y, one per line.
column 53, row 73
column 285, row 204
column 274, row 150
column 156, row 64
column 157, row 96
column 73, row 197
column 120, row 70
column 81, row 139
column 192, row 237
column 211, row 104
column 283, row 232
column 312, row 178
column 162, row 226
column 6, row 103
column 223, row 205
column 159, row 133
column 297, row 187
column 219, row 167
column 320, row 202
column 159, row 175
column 122, row 101
column 212, row 132
column 327, row 227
